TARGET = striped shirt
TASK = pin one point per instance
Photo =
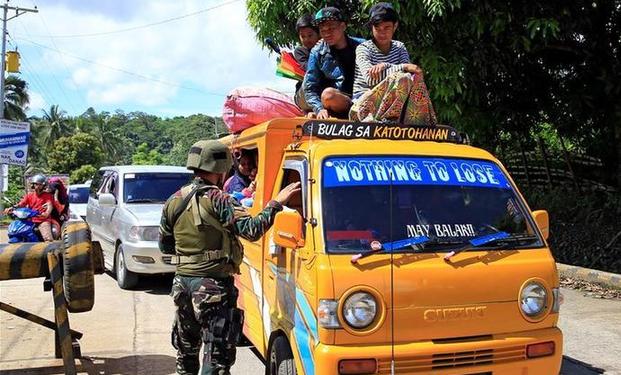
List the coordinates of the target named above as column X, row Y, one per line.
column 367, row 55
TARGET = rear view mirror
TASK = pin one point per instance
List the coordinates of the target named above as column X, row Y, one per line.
column 288, row 229
column 543, row 222
column 107, row 199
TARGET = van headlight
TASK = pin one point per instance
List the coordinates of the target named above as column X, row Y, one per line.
column 533, row 299
column 359, row 310
column 137, row 233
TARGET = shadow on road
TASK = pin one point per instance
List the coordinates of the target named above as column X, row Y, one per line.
column 152, row 364
column 152, row 284
column 573, row 366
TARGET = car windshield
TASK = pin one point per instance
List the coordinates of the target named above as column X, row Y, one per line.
column 78, row 194
column 152, row 187
column 449, row 201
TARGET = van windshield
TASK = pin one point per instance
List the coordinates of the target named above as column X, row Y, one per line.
column 152, row 187
column 450, row 201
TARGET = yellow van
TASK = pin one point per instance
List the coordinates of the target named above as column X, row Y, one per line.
column 407, row 251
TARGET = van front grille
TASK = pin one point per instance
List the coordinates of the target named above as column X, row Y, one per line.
column 452, row 360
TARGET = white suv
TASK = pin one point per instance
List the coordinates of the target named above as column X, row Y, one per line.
column 124, row 210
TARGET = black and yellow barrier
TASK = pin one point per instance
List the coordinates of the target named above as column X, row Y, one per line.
column 70, row 265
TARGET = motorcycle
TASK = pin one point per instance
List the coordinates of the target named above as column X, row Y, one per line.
column 22, row 229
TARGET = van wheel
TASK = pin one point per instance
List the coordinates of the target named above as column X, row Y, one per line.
column 124, row 277
column 281, row 358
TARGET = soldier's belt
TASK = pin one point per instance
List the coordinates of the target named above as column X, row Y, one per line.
column 207, row 256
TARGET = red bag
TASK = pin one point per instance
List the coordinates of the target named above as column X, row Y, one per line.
column 248, row 106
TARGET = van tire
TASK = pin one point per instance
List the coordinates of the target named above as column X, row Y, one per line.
column 281, row 360
column 124, row 277
column 78, row 274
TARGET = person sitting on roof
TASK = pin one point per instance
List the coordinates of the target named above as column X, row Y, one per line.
column 309, row 36
column 387, row 85
column 329, row 78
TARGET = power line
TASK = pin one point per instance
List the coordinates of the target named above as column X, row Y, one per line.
column 167, row 83
column 140, row 26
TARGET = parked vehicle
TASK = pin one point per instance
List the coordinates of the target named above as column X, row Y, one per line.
column 406, row 251
column 124, row 209
column 78, row 199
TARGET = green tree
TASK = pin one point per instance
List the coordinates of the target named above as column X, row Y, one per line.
column 82, row 174
column 107, row 129
column 144, row 156
column 16, row 98
column 498, row 68
column 70, row 153
column 185, row 131
column 55, row 125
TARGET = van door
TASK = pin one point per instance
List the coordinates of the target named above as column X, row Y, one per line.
column 93, row 211
column 289, row 284
column 109, row 228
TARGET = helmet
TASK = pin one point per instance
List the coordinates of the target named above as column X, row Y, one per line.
column 39, row 179
column 209, row 156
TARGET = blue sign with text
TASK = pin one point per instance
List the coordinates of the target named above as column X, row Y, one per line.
column 357, row 171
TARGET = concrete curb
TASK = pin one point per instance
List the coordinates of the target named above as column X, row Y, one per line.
column 594, row 276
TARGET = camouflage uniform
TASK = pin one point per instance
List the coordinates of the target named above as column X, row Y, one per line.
column 203, row 292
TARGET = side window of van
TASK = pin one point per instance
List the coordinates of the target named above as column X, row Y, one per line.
column 97, row 183
column 295, row 202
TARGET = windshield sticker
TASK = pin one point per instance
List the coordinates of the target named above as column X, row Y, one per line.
column 441, row 230
column 412, row 171
column 129, row 176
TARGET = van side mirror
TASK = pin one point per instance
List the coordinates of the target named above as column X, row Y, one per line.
column 106, row 199
column 543, row 222
column 288, row 229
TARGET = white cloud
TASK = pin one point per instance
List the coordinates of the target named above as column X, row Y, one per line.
column 37, row 103
column 213, row 52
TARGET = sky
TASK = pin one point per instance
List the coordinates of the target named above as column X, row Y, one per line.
column 121, row 54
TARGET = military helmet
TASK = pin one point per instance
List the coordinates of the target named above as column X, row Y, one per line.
column 209, row 156
column 39, row 179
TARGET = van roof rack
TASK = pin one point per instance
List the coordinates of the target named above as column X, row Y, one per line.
column 327, row 129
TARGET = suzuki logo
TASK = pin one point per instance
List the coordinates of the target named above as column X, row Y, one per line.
column 457, row 313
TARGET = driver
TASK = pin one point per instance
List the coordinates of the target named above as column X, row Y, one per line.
column 39, row 200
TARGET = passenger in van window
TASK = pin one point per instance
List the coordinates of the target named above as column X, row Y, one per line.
column 241, row 177
column 387, row 85
column 309, row 36
column 329, row 79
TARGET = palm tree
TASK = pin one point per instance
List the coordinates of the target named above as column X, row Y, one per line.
column 16, row 98
column 56, row 125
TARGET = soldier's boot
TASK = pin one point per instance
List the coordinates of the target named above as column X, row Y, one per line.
column 188, row 365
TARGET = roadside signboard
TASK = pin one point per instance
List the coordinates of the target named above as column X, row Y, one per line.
column 14, row 137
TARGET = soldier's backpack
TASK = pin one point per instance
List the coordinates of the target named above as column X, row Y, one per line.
column 232, row 249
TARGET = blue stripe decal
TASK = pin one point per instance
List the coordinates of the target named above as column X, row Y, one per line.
column 307, row 313
column 302, row 340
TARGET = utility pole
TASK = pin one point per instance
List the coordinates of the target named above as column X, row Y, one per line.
column 5, row 13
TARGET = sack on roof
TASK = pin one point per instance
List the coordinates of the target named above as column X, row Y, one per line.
column 248, row 106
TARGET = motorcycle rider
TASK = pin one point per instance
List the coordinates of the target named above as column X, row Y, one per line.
column 39, row 200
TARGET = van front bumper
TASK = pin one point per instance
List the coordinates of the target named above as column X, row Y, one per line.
column 500, row 354
column 145, row 257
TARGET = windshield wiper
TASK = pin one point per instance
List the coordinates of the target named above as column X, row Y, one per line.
column 498, row 238
column 143, row 200
column 391, row 246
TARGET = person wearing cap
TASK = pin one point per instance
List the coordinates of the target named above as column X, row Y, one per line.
column 309, row 36
column 329, row 79
column 199, row 228
column 385, row 80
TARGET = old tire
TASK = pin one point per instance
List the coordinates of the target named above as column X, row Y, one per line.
column 78, row 275
column 124, row 277
column 281, row 358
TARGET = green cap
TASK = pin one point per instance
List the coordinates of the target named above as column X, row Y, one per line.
column 209, row 156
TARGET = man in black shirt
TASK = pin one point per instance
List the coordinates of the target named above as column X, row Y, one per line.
column 329, row 79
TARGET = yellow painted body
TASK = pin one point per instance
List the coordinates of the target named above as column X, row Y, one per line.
column 465, row 311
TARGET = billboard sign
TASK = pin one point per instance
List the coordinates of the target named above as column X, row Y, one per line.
column 14, row 137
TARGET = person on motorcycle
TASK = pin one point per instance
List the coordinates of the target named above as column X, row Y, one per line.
column 56, row 187
column 40, row 200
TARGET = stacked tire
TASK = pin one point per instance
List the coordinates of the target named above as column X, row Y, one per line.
column 79, row 263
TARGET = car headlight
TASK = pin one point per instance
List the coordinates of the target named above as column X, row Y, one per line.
column 137, row 233
column 533, row 299
column 360, row 309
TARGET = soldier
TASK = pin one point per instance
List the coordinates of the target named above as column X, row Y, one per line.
column 199, row 226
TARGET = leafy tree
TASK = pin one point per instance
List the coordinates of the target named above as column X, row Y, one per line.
column 106, row 129
column 185, row 131
column 70, row 153
column 144, row 156
column 82, row 174
column 55, row 125
column 16, row 98
column 501, row 68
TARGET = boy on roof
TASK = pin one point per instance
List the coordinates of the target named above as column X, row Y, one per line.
column 309, row 36
column 329, row 79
